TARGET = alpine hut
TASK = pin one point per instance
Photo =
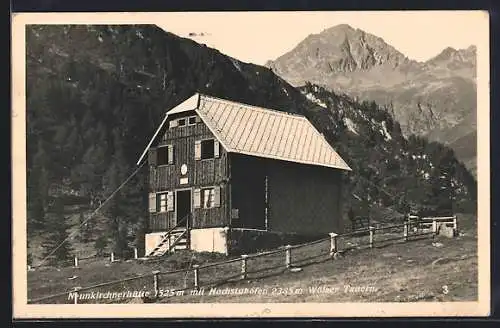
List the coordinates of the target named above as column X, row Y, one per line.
column 223, row 174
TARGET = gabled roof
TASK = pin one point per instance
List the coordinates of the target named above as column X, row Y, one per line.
column 260, row 132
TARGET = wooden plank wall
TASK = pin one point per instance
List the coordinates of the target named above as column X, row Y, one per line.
column 248, row 191
column 201, row 173
column 304, row 199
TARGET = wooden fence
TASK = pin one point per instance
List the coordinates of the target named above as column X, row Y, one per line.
column 78, row 259
column 433, row 223
column 246, row 267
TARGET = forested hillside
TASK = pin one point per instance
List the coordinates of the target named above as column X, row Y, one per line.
column 389, row 170
column 95, row 95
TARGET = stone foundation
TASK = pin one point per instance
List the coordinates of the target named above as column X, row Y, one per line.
column 209, row 240
column 235, row 240
column 151, row 240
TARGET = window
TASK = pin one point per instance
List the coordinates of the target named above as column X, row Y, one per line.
column 206, row 149
column 207, row 197
column 165, row 201
column 191, row 120
column 165, row 155
column 162, row 199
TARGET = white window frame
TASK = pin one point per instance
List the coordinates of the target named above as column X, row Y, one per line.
column 195, row 120
column 162, row 199
column 162, row 208
column 208, row 197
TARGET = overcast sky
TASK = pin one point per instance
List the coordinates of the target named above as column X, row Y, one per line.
column 260, row 36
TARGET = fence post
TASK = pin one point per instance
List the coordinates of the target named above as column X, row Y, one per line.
column 333, row 243
column 112, row 258
column 76, row 290
column 196, row 276
column 76, row 261
column 455, row 225
column 244, row 266
column 156, row 284
column 372, row 231
column 288, row 256
column 227, row 237
column 135, row 253
column 169, row 242
column 405, row 231
column 434, row 226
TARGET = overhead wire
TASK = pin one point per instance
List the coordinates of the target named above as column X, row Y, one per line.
column 94, row 212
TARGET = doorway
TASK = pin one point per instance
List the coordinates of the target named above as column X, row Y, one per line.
column 183, row 205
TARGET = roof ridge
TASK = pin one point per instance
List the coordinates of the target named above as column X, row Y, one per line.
column 266, row 109
column 287, row 144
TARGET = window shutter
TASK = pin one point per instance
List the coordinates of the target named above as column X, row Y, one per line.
column 217, row 196
column 170, row 201
column 170, row 154
column 152, row 157
column 173, row 124
column 216, row 148
column 197, row 150
column 152, row 202
column 196, row 198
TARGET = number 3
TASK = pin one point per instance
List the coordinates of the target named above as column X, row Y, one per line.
column 445, row 289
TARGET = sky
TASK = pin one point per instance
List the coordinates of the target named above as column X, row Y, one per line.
column 257, row 37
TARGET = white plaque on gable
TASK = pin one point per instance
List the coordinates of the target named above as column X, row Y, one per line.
column 184, row 181
column 184, row 169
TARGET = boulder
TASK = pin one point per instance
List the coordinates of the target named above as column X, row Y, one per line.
column 446, row 231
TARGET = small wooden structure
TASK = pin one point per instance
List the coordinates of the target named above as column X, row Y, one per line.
column 217, row 165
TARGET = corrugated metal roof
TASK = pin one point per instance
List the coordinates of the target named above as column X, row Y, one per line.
column 267, row 133
column 261, row 132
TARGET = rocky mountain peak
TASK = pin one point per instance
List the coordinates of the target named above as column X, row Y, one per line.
column 449, row 55
column 339, row 49
column 339, row 27
column 435, row 98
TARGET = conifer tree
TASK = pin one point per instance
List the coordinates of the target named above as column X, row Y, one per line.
column 86, row 228
column 56, row 246
column 88, row 175
column 38, row 189
column 100, row 245
column 116, row 209
column 442, row 186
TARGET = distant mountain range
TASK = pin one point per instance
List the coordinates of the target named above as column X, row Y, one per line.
column 435, row 99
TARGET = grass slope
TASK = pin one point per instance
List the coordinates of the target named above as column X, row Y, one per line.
column 422, row 270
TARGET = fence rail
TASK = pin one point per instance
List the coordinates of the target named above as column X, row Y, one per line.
column 421, row 223
column 238, row 268
column 76, row 261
